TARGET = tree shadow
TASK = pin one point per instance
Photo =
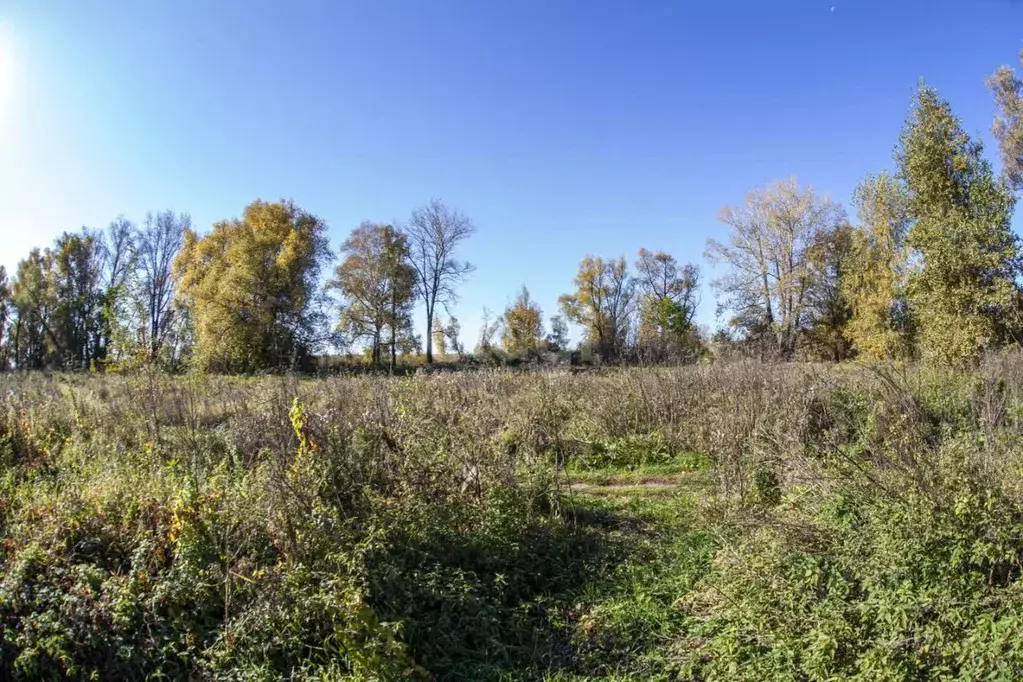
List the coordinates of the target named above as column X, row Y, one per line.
column 477, row 606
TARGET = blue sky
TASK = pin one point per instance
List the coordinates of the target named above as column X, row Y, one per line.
column 561, row 127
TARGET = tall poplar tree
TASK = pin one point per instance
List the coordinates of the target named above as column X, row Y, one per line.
column 964, row 291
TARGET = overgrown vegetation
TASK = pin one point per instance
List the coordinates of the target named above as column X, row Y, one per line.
column 712, row 521
column 739, row 521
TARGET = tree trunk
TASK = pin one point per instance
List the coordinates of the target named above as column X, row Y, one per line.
column 394, row 323
column 429, row 335
column 17, row 344
column 153, row 332
column 376, row 347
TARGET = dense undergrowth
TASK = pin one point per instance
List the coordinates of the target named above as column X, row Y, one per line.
column 716, row 522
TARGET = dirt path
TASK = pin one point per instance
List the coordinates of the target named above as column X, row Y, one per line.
column 628, row 484
column 590, row 487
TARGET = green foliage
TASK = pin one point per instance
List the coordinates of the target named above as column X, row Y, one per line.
column 625, row 453
column 898, row 559
column 33, row 304
column 875, row 279
column 964, row 291
column 624, row 630
column 5, row 312
column 377, row 284
column 197, row 527
column 666, row 331
column 602, row 303
column 854, row 523
column 62, row 308
column 667, row 305
column 522, row 329
column 827, row 336
column 75, row 288
column 251, row 287
column 909, row 582
column 557, row 340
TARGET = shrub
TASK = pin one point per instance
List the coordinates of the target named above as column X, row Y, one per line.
column 865, row 522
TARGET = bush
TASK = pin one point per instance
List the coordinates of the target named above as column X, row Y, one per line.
column 865, row 523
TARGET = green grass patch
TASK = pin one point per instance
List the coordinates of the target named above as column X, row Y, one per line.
column 633, row 451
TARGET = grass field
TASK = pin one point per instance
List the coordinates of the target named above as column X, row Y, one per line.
column 718, row 522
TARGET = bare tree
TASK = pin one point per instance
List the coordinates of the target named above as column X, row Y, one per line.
column 160, row 240
column 490, row 327
column 768, row 286
column 434, row 232
column 117, row 253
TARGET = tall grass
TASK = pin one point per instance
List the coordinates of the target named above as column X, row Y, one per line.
column 374, row 528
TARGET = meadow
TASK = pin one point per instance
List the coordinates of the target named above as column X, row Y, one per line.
column 738, row 521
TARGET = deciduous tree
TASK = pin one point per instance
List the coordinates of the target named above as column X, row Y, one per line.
column 522, row 331
column 602, row 304
column 875, row 279
column 250, row 285
column 159, row 241
column 117, row 256
column 377, row 284
column 557, row 340
column 33, row 303
column 1008, row 125
column 5, row 313
column 667, row 304
column 453, row 336
column 964, row 291
column 440, row 342
column 829, row 310
column 489, row 328
column 770, row 277
column 77, row 297
column 434, row 232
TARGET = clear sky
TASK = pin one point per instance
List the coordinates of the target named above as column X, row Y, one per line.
column 561, row 127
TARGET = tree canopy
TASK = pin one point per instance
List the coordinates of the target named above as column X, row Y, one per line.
column 376, row 282
column 602, row 303
column 964, row 288
column 252, row 287
column 522, row 328
column 770, row 279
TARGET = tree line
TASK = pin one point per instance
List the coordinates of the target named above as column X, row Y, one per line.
column 930, row 268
